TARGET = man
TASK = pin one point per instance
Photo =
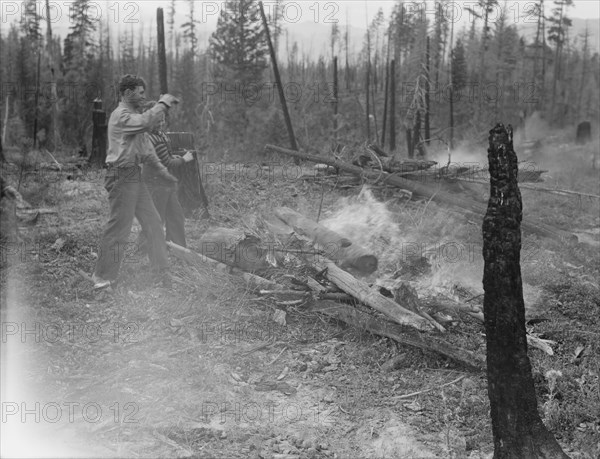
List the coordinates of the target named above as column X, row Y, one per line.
column 163, row 191
column 128, row 145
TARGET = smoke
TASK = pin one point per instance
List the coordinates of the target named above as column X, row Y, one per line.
column 370, row 223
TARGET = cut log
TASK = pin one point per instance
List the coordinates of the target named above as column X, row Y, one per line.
column 235, row 248
column 341, row 250
column 362, row 292
column 364, row 321
column 432, row 191
column 253, row 281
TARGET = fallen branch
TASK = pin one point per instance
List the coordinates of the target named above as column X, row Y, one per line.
column 372, row 298
column 194, row 258
column 428, row 191
column 41, row 211
column 381, row 327
column 399, row 397
column 538, row 188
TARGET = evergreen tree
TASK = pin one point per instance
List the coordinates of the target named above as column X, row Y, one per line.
column 80, row 73
column 189, row 29
column 557, row 33
column 239, row 43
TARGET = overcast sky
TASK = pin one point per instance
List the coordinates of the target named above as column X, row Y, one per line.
column 131, row 15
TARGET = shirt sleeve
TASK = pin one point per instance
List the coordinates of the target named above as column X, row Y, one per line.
column 162, row 151
column 135, row 123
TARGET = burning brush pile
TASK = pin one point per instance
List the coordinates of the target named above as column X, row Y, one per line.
column 357, row 266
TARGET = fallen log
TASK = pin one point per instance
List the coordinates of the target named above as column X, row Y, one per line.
column 356, row 288
column 253, row 281
column 558, row 191
column 341, row 250
column 431, row 191
column 364, row 321
column 235, row 248
column 372, row 298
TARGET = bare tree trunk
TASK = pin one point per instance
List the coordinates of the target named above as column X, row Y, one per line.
column 427, row 100
column 517, row 427
column 286, row 113
column 386, row 87
column 385, row 102
column 417, row 138
column 162, row 56
column 451, row 120
column 393, row 105
column 583, row 70
column 368, row 87
column 37, row 97
column 335, row 98
column 543, row 79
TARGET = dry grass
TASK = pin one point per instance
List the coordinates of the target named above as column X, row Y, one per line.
column 190, row 362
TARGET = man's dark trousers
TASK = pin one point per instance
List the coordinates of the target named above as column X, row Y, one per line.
column 128, row 198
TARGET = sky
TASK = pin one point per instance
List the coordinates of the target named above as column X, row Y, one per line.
column 133, row 15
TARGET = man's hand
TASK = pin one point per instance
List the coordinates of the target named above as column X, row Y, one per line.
column 168, row 100
column 189, row 156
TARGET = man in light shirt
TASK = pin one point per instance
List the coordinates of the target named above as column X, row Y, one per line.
column 128, row 146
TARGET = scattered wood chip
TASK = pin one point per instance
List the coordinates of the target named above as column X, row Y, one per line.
column 283, row 374
column 279, row 317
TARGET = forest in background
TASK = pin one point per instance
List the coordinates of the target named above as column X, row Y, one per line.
column 416, row 75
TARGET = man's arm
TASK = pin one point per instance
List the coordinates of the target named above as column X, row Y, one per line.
column 136, row 123
column 163, row 152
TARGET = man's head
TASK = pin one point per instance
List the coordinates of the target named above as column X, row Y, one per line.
column 132, row 90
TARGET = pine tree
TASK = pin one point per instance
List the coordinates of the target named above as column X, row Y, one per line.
column 557, row 33
column 31, row 47
column 238, row 43
column 80, row 70
column 189, row 29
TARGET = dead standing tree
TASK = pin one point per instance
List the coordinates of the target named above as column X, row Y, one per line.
column 516, row 424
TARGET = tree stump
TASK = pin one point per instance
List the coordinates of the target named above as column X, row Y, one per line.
column 99, row 137
column 9, row 232
column 517, row 427
column 191, row 192
column 584, row 133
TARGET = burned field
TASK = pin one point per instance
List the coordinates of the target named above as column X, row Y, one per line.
column 276, row 352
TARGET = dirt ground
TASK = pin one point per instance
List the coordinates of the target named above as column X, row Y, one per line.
column 209, row 369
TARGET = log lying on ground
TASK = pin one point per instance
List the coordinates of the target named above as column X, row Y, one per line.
column 254, row 281
column 235, row 248
column 341, row 250
column 431, row 191
column 362, row 292
column 357, row 288
column 362, row 320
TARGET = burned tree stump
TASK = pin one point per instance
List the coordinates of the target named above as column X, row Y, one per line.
column 99, row 137
column 584, row 133
column 516, row 424
column 191, row 192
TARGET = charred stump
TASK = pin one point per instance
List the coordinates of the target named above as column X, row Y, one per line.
column 9, row 232
column 516, row 424
column 584, row 133
column 191, row 193
column 99, row 136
